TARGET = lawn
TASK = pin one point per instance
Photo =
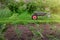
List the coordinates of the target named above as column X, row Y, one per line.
column 26, row 17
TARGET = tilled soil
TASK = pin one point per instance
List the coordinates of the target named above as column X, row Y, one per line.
column 27, row 34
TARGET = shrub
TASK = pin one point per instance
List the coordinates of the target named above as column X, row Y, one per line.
column 31, row 7
column 5, row 13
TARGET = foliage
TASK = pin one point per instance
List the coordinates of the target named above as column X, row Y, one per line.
column 5, row 13
column 53, row 5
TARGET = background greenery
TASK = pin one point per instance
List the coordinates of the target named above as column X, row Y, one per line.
column 21, row 11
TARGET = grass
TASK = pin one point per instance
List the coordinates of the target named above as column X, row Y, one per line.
column 26, row 17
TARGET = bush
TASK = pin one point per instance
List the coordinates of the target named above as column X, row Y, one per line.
column 5, row 13
column 34, row 5
column 30, row 7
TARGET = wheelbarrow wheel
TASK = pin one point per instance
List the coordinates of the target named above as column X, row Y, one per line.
column 34, row 17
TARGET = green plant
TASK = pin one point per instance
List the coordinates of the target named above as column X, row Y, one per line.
column 5, row 13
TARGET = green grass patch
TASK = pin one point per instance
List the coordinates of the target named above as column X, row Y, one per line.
column 27, row 18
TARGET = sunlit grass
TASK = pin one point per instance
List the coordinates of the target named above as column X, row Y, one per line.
column 26, row 17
